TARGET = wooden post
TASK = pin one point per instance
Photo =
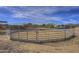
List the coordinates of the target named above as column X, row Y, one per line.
column 37, row 34
column 65, row 34
column 27, row 35
column 18, row 32
column 73, row 31
column 48, row 33
column 10, row 33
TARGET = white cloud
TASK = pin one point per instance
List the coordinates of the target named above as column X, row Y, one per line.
column 36, row 14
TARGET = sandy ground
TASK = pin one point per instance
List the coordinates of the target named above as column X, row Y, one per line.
column 6, row 45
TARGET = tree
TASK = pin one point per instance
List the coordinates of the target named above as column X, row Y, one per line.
column 50, row 26
column 43, row 25
column 29, row 25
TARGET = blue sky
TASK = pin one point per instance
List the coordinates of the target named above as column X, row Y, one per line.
column 40, row 14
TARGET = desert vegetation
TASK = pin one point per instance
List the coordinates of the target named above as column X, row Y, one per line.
column 31, row 26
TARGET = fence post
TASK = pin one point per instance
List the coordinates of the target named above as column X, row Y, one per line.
column 48, row 34
column 18, row 32
column 37, row 34
column 65, row 34
column 73, row 31
column 10, row 34
column 27, row 35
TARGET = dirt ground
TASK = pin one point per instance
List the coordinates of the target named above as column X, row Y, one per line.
column 69, row 46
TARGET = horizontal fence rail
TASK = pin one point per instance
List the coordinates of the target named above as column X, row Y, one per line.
column 41, row 35
column 4, row 32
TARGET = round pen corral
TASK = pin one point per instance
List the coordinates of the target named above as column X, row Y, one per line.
column 41, row 35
